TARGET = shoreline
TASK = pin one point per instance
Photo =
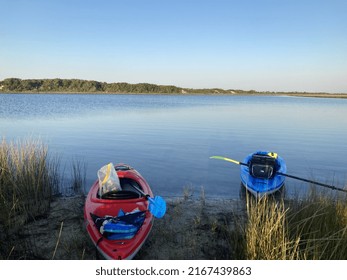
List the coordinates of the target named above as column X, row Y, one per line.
column 193, row 228
column 185, row 232
column 308, row 95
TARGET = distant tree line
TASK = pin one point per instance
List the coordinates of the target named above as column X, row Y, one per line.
column 85, row 86
column 76, row 85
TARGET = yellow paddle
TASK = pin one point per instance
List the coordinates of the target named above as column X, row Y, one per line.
column 229, row 159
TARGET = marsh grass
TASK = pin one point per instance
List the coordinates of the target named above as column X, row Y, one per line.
column 314, row 227
column 78, row 181
column 265, row 231
column 28, row 178
column 319, row 221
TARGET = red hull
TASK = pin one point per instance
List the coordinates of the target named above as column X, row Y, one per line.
column 118, row 249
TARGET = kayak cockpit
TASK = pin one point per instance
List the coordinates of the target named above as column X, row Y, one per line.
column 129, row 190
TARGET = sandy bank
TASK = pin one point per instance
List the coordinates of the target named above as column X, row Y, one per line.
column 191, row 229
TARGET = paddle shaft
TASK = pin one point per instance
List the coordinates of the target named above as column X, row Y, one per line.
column 313, row 182
column 286, row 175
column 143, row 193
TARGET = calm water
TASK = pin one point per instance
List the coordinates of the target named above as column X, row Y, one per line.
column 169, row 139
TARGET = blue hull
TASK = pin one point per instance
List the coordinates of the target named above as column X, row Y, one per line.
column 263, row 186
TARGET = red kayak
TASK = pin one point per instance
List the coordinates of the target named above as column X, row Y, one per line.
column 119, row 222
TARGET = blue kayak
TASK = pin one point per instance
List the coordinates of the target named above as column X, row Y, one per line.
column 260, row 175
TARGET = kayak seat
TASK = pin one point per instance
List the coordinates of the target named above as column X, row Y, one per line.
column 123, row 194
column 130, row 185
column 127, row 192
column 262, row 166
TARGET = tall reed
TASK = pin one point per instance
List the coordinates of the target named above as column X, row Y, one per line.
column 78, row 180
column 28, row 178
column 314, row 227
column 320, row 220
column 266, row 231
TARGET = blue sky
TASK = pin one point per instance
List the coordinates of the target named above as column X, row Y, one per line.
column 289, row 45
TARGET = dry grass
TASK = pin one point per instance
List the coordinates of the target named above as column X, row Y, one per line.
column 312, row 228
column 265, row 232
column 320, row 222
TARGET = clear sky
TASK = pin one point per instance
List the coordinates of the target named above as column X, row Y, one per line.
column 283, row 45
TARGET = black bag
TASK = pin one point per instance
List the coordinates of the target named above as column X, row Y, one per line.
column 262, row 166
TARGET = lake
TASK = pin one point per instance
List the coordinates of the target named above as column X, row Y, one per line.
column 169, row 138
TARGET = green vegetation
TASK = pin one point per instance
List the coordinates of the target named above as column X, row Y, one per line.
column 14, row 85
column 29, row 180
column 83, row 86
